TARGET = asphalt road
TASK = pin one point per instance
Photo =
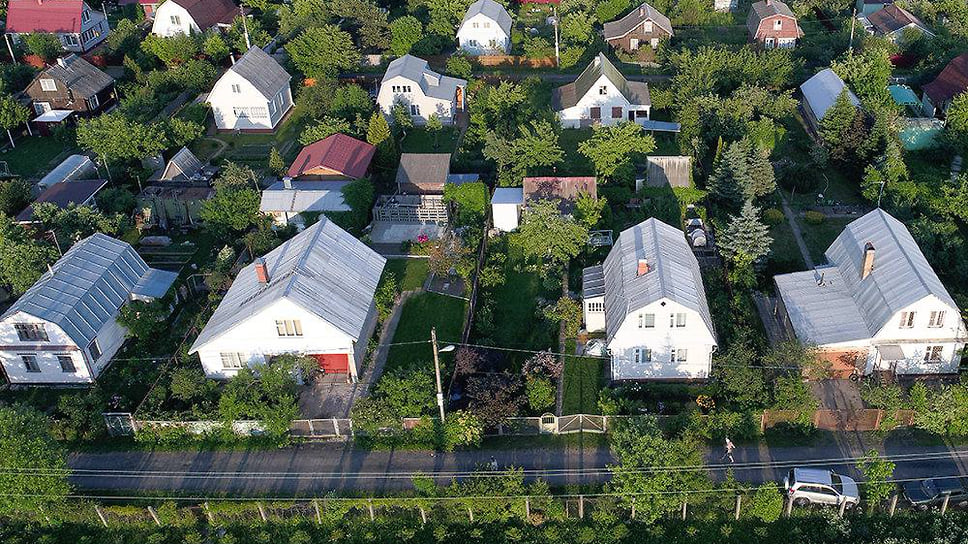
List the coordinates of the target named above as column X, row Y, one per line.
column 315, row 469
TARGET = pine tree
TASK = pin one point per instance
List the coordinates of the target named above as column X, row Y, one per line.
column 732, row 174
column 276, row 164
column 746, row 237
column 762, row 178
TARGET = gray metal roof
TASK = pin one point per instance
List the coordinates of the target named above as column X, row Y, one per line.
column 567, row 96
column 431, row 83
column 645, row 12
column 508, row 195
column 305, row 196
column 822, row 90
column 88, row 285
column 592, row 281
column 674, row 273
column 820, row 307
column 262, row 71
column 492, row 10
column 426, row 172
column 71, row 168
column 323, row 269
column 78, row 75
column 182, row 166
column 901, row 276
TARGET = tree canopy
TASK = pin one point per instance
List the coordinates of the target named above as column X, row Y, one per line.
column 35, row 472
column 548, row 235
column 323, row 51
column 614, row 147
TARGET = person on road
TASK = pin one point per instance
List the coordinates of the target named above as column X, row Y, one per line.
column 729, row 451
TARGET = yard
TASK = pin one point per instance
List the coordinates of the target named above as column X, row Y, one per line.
column 419, row 314
column 582, row 381
column 784, row 253
column 421, row 140
column 33, row 155
column 819, row 237
column 410, row 273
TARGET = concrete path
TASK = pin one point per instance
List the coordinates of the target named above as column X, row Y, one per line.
column 315, row 469
column 797, row 234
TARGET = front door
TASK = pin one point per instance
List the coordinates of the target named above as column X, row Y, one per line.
column 460, row 98
column 333, row 363
column 631, row 115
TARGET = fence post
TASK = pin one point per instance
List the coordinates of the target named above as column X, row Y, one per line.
column 336, row 427
column 762, row 422
column 470, row 514
column 369, row 504
column 581, row 506
column 527, row 508
column 684, row 509
column 893, row 505
column 944, row 505
column 423, row 515
column 312, row 431
column 352, row 434
column 633, row 507
column 789, row 507
column 843, row 507
column 262, row 512
column 154, row 515
column 319, row 516
column 100, row 515
column 739, row 505
column 208, row 513
column 880, row 417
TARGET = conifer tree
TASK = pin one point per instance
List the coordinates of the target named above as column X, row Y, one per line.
column 746, row 237
column 731, row 175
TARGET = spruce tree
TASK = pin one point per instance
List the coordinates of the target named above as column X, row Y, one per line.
column 276, row 164
column 762, row 178
column 732, row 174
column 746, row 237
column 842, row 128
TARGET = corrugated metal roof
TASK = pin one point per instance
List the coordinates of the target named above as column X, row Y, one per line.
column 338, row 152
column 154, row 284
column 567, row 96
column 71, row 168
column 821, row 313
column 901, row 275
column 492, row 10
column 674, row 273
column 508, row 195
column 323, row 269
column 822, row 90
column 592, row 282
column 64, row 194
column 674, row 171
column 182, row 166
column 87, row 286
column 262, row 71
column 645, row 12
column 305, row 196
column 431, row 83
column 54, row 16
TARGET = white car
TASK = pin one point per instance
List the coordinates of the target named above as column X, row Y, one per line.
column 805, row 486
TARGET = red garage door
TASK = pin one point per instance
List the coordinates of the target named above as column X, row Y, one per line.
column 332, row 363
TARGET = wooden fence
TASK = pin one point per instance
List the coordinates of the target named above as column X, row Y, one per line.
column 515, row 61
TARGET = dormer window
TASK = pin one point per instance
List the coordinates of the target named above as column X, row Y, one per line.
column 48, row 85
column 603, row 89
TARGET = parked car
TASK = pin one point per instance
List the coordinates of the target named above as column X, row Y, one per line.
column 931, row 491
column 805, row 486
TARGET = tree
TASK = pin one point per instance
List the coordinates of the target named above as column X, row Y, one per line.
column 113, row 137
column 143, row 320
column 541, row 393
column 74, row 222
column 358, row 195
column 235, row 175
column 738, row 376
column 878, row 475
column 471, row 201
column 746, row 235
column 378, row 131
column 172, row 50
column 839, row 126
column 233, row 209
column 956, row 120
column 549, row 236
column 34, row 479
column 536, row 146
column 613, row 147
column 276, row 164
column 495, row 397
column 12, row 115
column 116, row 200
column 22, row 259
column 266, row 392
column 323, row 51
column 449, row 253
column 731, row 175
column 459, row 66
column 434, row 126
column 588, row 210
column 124, row 37
column 324, row 128
column 14, row 196
column 44, row 45
column 567, row 312
column 404, row 33
column 215, row 47
column 235, row 35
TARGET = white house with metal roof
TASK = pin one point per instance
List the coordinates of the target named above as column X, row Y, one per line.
column 876, row 305
column 63, row 330
column 485, row 30
column 410, row 82
column 601, row 94
column 253, row 95
column 649, row 299
column 313, row 296
column 821, row 92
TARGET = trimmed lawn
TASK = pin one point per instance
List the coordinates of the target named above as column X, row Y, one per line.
column 410, row 273
column 583, row 380
column 33, row 155
column 421, row 140
column 784, row 253
column 419, row 314
column 819, row 237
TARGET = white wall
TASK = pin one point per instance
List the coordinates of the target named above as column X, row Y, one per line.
column 223, row 102
column 256, row 337
column 476, row 41
column 695, row 337
column 50, row 370
column 594, row 321
column 163, row 26
column 572, row 117
column 428, row 105
column 506, row 216
column 915, row 340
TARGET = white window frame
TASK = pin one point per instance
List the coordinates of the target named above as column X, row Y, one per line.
column 48, row 85
column 71, row 40
column 93, row 347
column 236, row 88
column 233, row 360
column 596, row 307
column 907, row 320
column 647, row 26
column 85, row 16
column 414, row 110
column 933, row 354
column 70, row 367
column 680, row 320
column 642, row 355
column 93, row 102
column 936, row 319
column 31, row 332
column 778, row 24
column 603, row 89
column 646, row 321
column 175, row 20
column 679, row 355
column 29, row 361
column 289, row 328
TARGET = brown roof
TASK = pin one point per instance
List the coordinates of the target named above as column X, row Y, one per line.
column 565, row 188
column 423, row 172
column 208, row 13
column 64, row 194
column 567, row 96
column 952, row 81
column 645, row 12
column 893, row 18
column 338, row 152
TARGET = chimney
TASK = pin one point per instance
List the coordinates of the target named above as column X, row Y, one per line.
column 287, row 182
column 261, row 272
column 643, row 267
column 641, row 11
column 868, row 261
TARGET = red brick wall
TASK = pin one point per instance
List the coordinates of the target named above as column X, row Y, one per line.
column 765, row 30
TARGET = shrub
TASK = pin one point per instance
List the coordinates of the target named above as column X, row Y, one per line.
column 540, row 392
column 461, row 429
column 813, row 217
column 772, row 216
column 386, row 296
column 766, row 503
column 459, row 66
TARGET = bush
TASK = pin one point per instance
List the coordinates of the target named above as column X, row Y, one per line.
column 766, row 503
column 460, row 430
column 772, row 216
column 541, row 393
column 813, row 217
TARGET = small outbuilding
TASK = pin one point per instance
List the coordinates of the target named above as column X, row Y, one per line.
column 506, row 206
column 820, row 93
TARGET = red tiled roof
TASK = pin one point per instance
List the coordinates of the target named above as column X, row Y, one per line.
column 952, row 81
column 207, row 13
column 338, row 152
column 53, row 16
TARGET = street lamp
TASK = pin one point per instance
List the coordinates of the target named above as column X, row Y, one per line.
column 437, row 352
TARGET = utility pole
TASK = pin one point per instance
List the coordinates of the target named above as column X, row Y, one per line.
column 13, row 58
column 245, row 29
column 557, row 54
column 440, row 390
column 853, row 19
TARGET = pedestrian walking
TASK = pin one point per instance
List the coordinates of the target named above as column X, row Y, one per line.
column 493, row 463
column 729, row 451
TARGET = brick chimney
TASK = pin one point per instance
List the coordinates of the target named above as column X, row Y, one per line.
column 643, row 267
column 868, row 261
column 261, row 272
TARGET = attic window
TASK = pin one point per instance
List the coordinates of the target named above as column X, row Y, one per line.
column 778, row 24
column 236, row 88
column 647, row 26
column 48, row 85
column 603, row 89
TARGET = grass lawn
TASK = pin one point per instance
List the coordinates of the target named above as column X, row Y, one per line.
column 583, row 379
column 784, row 253
column 419, row 314
column 410, row 273
column 204, row 148
column 33, row 155
column 421, row 140
column 830, row 182
column 819, row 237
